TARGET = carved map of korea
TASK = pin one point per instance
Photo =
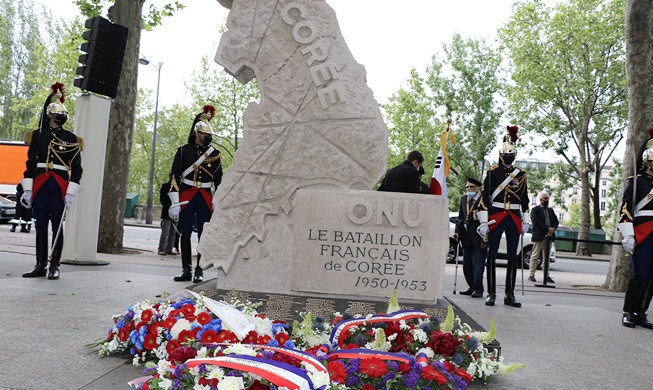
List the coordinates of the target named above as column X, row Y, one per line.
column 317, row 125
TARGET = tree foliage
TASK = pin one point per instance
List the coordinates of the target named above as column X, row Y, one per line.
column 569, row 85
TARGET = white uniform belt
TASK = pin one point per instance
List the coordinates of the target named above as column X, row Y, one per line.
column 644, row 213
column 52, row 166
column 197, row 184
column 511, row 206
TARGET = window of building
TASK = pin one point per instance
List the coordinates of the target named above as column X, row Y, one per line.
column 561, row 216
column 602, row 206
column 603, row 183
column 573, row 200
column 604, row 193
column 575, row 190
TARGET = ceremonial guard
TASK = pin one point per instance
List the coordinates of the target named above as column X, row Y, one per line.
column 51, row 180
column 505, row 197
column 196, row 169
column 636, row 226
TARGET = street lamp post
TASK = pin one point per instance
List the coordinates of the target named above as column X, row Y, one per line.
column 150, row 191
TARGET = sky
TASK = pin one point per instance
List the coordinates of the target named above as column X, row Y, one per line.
column 387, row 37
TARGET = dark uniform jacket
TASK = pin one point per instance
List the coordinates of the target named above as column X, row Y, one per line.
column 165, row 200
column 468, row 222
column 642, row 219
column 199, row 178
column 402, row 178
column 53, row 151
column 538, row 219
column 511, row 199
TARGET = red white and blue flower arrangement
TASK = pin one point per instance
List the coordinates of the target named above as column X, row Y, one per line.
column 188, row 341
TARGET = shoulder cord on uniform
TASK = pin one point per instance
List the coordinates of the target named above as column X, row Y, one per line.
column 520, row 186
column 69, row 148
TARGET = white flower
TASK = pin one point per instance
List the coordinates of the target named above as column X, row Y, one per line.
column 403, row 325
column 231, row 383
column 263, row 325
column 181, row 324
column 215, row 372
column 240, row 349
column 420, row 335
column 426, row 351
column 318, row 378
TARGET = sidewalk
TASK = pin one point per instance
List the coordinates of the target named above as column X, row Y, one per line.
column 569, row 337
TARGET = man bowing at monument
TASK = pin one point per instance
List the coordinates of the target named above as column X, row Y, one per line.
column 505, row 196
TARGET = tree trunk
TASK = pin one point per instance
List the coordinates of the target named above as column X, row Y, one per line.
column 596, row 197
column 639, row 72
column 121, row 131
column 583, row 248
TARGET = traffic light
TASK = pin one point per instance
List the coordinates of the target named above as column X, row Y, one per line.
column 105, row 49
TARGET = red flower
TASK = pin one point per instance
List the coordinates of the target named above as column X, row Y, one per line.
column 155, row 326
column 367, row 386
column 350, row 346
column 444, row 344
column 169, row 322
column 464, row 375
column 203, row 318
column 250, row 338
column 175, row 313
column 185, row 336
column 188, row 309
column 203, row 381
column 263, row 339
column 181, row 354
column 373, row 367
column 431, row 374
column 150, row 342
column 282, row 337
column 123, row 334
column 214, row 382
column 110, row 336
column 172, row 345
column 223, row 336
column 146, row 315
column 256, row 385
column 209, row 337
column 404, row 368
column 146, row 386
column 337, row 372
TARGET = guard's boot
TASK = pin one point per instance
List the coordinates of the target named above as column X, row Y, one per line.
column 41, row 256
column 13, row 228
column 640, row 315
column 186, row 261
column 53, row 271
column 199, row 272
column 511, row 277
column 23, row 228
column 631, row 303
column 491, row 281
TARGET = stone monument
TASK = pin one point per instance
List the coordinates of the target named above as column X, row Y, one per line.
column 297, row 203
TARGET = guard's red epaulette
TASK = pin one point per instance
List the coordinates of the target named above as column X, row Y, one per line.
column 493, row 167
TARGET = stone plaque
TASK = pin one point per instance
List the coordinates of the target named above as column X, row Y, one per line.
column 368, row 243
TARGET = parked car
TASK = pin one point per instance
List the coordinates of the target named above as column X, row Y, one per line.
column 7, row 209
column 501, row 254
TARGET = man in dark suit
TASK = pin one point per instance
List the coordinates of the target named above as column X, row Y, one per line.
column 545, row 223
column 474, row 248
column 404, row 177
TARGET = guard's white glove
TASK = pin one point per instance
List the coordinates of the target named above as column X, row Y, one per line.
column 69, row 199
column 174, row 212
column 483, row 231
column 26, row 199
column 525, row 226
column 629, row 244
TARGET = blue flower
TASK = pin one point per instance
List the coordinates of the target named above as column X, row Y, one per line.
column 276, row 328
column 473, row 343
column 457, row 358
column 360, row 340
column 273, row 343
column 411, row 379
column 289, row 344
column 426, row 327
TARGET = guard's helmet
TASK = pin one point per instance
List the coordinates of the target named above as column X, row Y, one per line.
column 646, row 151
column 201, row 122
column 509, row 141
column 54, row 106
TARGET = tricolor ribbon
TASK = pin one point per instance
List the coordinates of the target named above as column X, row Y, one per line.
column 368, row 353
column 339, row 331
column 277, row 373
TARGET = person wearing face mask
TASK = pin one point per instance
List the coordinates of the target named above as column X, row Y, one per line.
column 405, row 177
column 474, row 248
column 505, row 197
column 545, row 223
column 51, row 180
column 196, row 170
column 636, row 226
